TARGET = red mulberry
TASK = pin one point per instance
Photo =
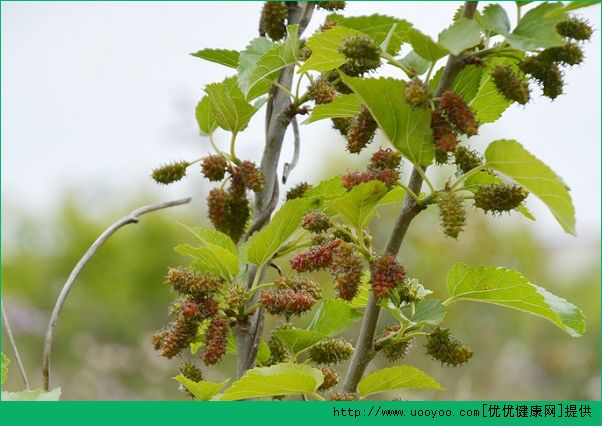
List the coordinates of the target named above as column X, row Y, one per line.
column 286, row 302
column 316, row 222
column 443, row 133
column 346, row 267
column 331, row 378
column 315, row 258
column 214, row 167
column 361, row 131
column 458, row 113
column 386, row 274
column 215, row 341
column 385, row 159
column 251, row 176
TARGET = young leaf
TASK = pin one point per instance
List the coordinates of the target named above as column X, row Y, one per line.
column 537, row 29
column 225, row 57
column 264, row 244
column 356, row 207
column 377, row 27
column 505, row 287
column 494, row 20
column 425, row 47
column 324, row 45
column 4, row 368
column 327, row 189
column 231, row 111
column 203, row 390
column 512, row 159
column 461, row 35
column 429, row 312
column 415, row 62
column 256, row 78
column 342, row 106
column 333, row 317
column 211, row 258
column 212, row 236
column 205, row 116
column 32, row 395
column 394, row 378
column 297, row 339
column 249, row 58
column 279, row 379
column 407, row 128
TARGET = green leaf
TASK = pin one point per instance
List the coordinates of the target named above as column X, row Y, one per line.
column 522, row 209
column 255, row 78
column 4, row 369
column 395, row 195
column 415, row 62
column 203, row 390
column 333, row 317
column 325, row 190
column 537, row 29
column 356, row 207
column 407, row 128
column 212, row 236
column 32, row 395
column 262, row 245
column 425, row 47
column 342, row 106
column 512, row 159
column 225, row 57
column 505, row 287
column 263, row 352
column 279, row 379
column 489, row 104
column 205, row 116
column 494, row 20
column 231, row 111
column 461, row 35
column 324, row 45
column 297, row 339
column 573, row 5
column 429, row 312
column 467, row 82
column 361, row 300
column 394, row 378
column 376, row 27
column 249, row 58
column 211, row 258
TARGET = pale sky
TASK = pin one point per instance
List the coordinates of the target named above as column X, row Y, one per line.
column 96, row 94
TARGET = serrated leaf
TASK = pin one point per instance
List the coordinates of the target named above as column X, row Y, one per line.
column 489, row 104
column 461, row 35
column 394, row 378
column 255, row 78
column 425, row 47
column 205, row 116
column 407, row 128
column 356, row 207
column 333, row 317
column 395, row 195
column 203, row 390
column 376, row 27
column 324, row 45
column 467, row 83
column 249, row 58
column 297, row 339
column 537, row 29
column 415, row 62
column 32, row 395
column 522, row 209
column 211, row 236
column 573, row 5
column 505, row 287
column 4, row 368
column 325, row 190
column 211, row 258
column 225, row 57
column 513, row 160
column 231, row 111
column 262, row 245
column 494, row 20
column 279, row 379
column 342, row 106
column 263, row 352
column 430, row 312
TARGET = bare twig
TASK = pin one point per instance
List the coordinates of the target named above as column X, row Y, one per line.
column 11, row 339
column 364, row 350
column 288, row 167
column 132, row 217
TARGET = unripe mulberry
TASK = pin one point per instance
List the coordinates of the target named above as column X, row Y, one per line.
column 179, row 335
column 569, row 54
column 344, row 396
column 170, row 173
column 191, row 372
column 316, row 222
column 361, row 131
column 574, row 28
column 393, row 351
column 458, row 113
column 346, row 267
column 499, row 197
column 297, row 191
column 217, row 208
column 362, row 53
column 251, row 176
column 236, row 299
column 441, row 156
column 443, row 133
column 384, row 159
column 299, row 283
column 386, row 274
column 342, row 124
column 273, row 19
column 451, row 213
column 466, row 159
column 214, row 167
column 315, row 258
column 286, row 302
column 442, row 347
column 331, row 378
column 547, row 74
column 330, row 351
column 510, row 84
column 322, row 92
column 215, row 341
column 278, row 351
column 193, row 283
column 331, row 5
column 418, row 94
column 158, row 338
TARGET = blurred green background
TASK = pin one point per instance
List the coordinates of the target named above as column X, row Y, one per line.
column 102, row 348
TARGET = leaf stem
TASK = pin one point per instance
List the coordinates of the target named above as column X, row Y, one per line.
column 467, row 175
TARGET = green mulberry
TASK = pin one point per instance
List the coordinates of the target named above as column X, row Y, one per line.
column 499, row 197
column 451, row 213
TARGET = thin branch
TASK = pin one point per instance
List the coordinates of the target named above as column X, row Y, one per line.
column 11, row 339
column 132, row 217
column 265, row 215
column 288, row 167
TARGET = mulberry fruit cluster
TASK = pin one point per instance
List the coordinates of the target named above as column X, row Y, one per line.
column 331, row 378
column 442, row 347
column 331, row 5
column 215, row 341
column 499, row 197
column 418, row 94
column 273, row 19
column 347, row 270
column 292, row 296
column 466, row 159
column 330, row 351
column 386, row 275
column 170, row 173
column 361, row 131
column 362, row 55
column 297, row 191
column 458, row 113
column 214, row 167
column 322, row 92
column 575, row 29
column 384, row 166
column 316, row 222
column 451, row 213
column 511, row 84
column 393, row 351
column 316, row 257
